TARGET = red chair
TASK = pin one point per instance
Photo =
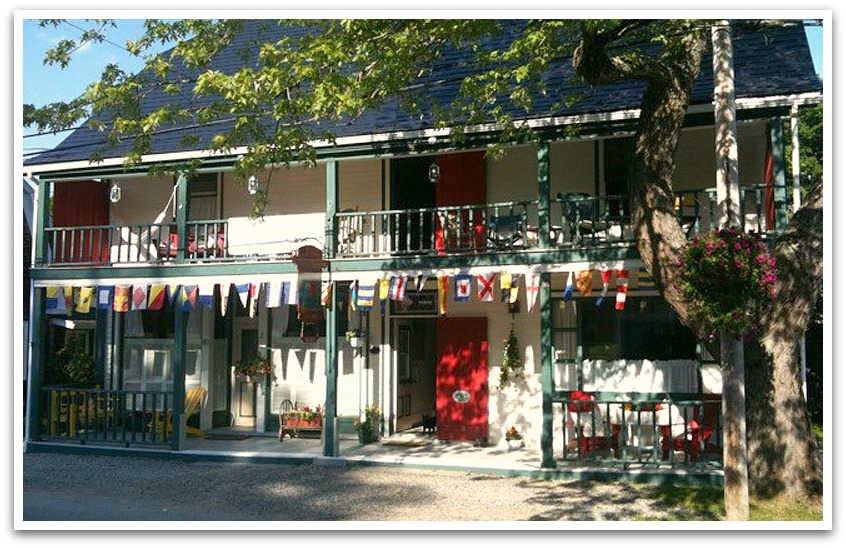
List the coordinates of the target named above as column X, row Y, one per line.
column 698, row 431
column 585, row 414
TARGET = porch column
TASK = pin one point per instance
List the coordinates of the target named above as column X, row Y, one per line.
column 779, row 181
column 331, row 208
column 37, row 337
column 547, row 384
column 181, row 216
column 331, row 407
column 180, row 341
column 543, row 195
column 41, row 210
column 797, row 178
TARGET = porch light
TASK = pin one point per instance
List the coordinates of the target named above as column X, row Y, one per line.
column 434, row 173
column 252, row 184
column 114, row 193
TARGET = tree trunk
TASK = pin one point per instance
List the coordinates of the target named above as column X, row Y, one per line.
column 784, row 458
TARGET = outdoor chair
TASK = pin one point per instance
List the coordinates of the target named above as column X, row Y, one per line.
column 697, row 433
column 163, row 421
column 593, row 433
column 584, row 216
column 506, row 231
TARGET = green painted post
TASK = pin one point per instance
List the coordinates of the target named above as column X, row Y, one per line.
column 37, row 334
column 181, row 216
column 543, row 195
column 779, row 178
column 547, row 384
column 331, row 208
column 331, row 408
column 42, row 211
column 180, row 343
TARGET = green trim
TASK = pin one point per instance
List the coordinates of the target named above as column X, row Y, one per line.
column 181, row 216
column 543, row 194
column 779, row 177
column 331, row 407
column 41, row 223
column 547, row 380
column 550, row 256
column 332, row 179
column 180, row 344
column 163, row 271
column 35, row 379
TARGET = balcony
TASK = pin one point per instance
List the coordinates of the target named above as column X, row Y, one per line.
column 577, row 221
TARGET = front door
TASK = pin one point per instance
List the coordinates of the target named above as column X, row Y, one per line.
column 462, row 379
column 244, row 393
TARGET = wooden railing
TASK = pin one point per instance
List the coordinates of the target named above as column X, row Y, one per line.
column 125, row 417
column 136, row 243
column 645, row 429
column 437, row 230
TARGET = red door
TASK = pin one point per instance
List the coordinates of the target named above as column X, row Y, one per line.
column 462, row 379
column 462, row 182
column 81, row 203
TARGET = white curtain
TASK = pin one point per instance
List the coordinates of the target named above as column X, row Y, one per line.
column 640, row 376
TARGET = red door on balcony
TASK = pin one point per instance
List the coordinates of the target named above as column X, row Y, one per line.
column 78, row 204
column 461, row 384
column 462, row 182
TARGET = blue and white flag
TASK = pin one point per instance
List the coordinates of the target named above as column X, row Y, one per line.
column 206, row 294
column 243, row 291
column 568, row 290
column 273, row 297
column 462, row 287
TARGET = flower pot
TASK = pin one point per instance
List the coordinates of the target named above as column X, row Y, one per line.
column 365, row 436
column 513, row 445
column 356, row 342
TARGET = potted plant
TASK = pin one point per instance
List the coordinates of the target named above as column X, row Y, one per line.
column 512, row 363
column 355, row 337
column 256, row 369
column 369, row 427
column 513, row 438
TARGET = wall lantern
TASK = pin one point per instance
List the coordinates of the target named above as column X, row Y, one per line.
column 434, row 173
column 114, row 193
column 252, row 184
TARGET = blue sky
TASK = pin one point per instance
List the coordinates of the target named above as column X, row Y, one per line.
column 39, row 80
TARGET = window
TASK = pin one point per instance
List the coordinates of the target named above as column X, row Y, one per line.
column 202, row 197
column 646, row 329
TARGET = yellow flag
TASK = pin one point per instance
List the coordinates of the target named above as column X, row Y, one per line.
column 584, row 281
column 83, row 305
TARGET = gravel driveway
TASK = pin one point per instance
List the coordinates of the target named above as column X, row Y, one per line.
column 103, row 488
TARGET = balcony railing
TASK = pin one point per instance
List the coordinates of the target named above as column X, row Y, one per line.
column 125, row 417
column 629, row 429
column 136, row 243
column 437, row 230
column 576, row 221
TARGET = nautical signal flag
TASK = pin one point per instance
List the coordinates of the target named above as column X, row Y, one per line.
column 484, row 284
column 121, row 300
column 289, row 293
column 421, row 282
column 568, row 289
column 366, row 293
column 443, row 285
column 156, row 297
column 397, row 290
column 584, row 282
column 254, row 296
column 104, row 297
column 622, row 289
column 52, row 297
column 139, row 297
column 83, row 305
column 205, row 295
column 462, row 287
column 353, row 294
column 326, row 294
column 606, row 279
column 273, row 297
column 243, row 291
column 224, row 298
column 532, row 290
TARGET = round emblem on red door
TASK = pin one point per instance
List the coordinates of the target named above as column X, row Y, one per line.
column 461, row 396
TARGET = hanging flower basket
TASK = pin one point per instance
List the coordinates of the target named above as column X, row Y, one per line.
column 355, row 337
column 511, row 368
column 728, row 275
column 255, row 369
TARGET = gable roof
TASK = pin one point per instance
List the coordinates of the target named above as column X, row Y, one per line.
column 772, row 62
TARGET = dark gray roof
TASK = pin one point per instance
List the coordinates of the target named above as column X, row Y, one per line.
column 768, row 62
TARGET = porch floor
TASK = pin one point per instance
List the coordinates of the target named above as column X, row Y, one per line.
column 417, row 450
